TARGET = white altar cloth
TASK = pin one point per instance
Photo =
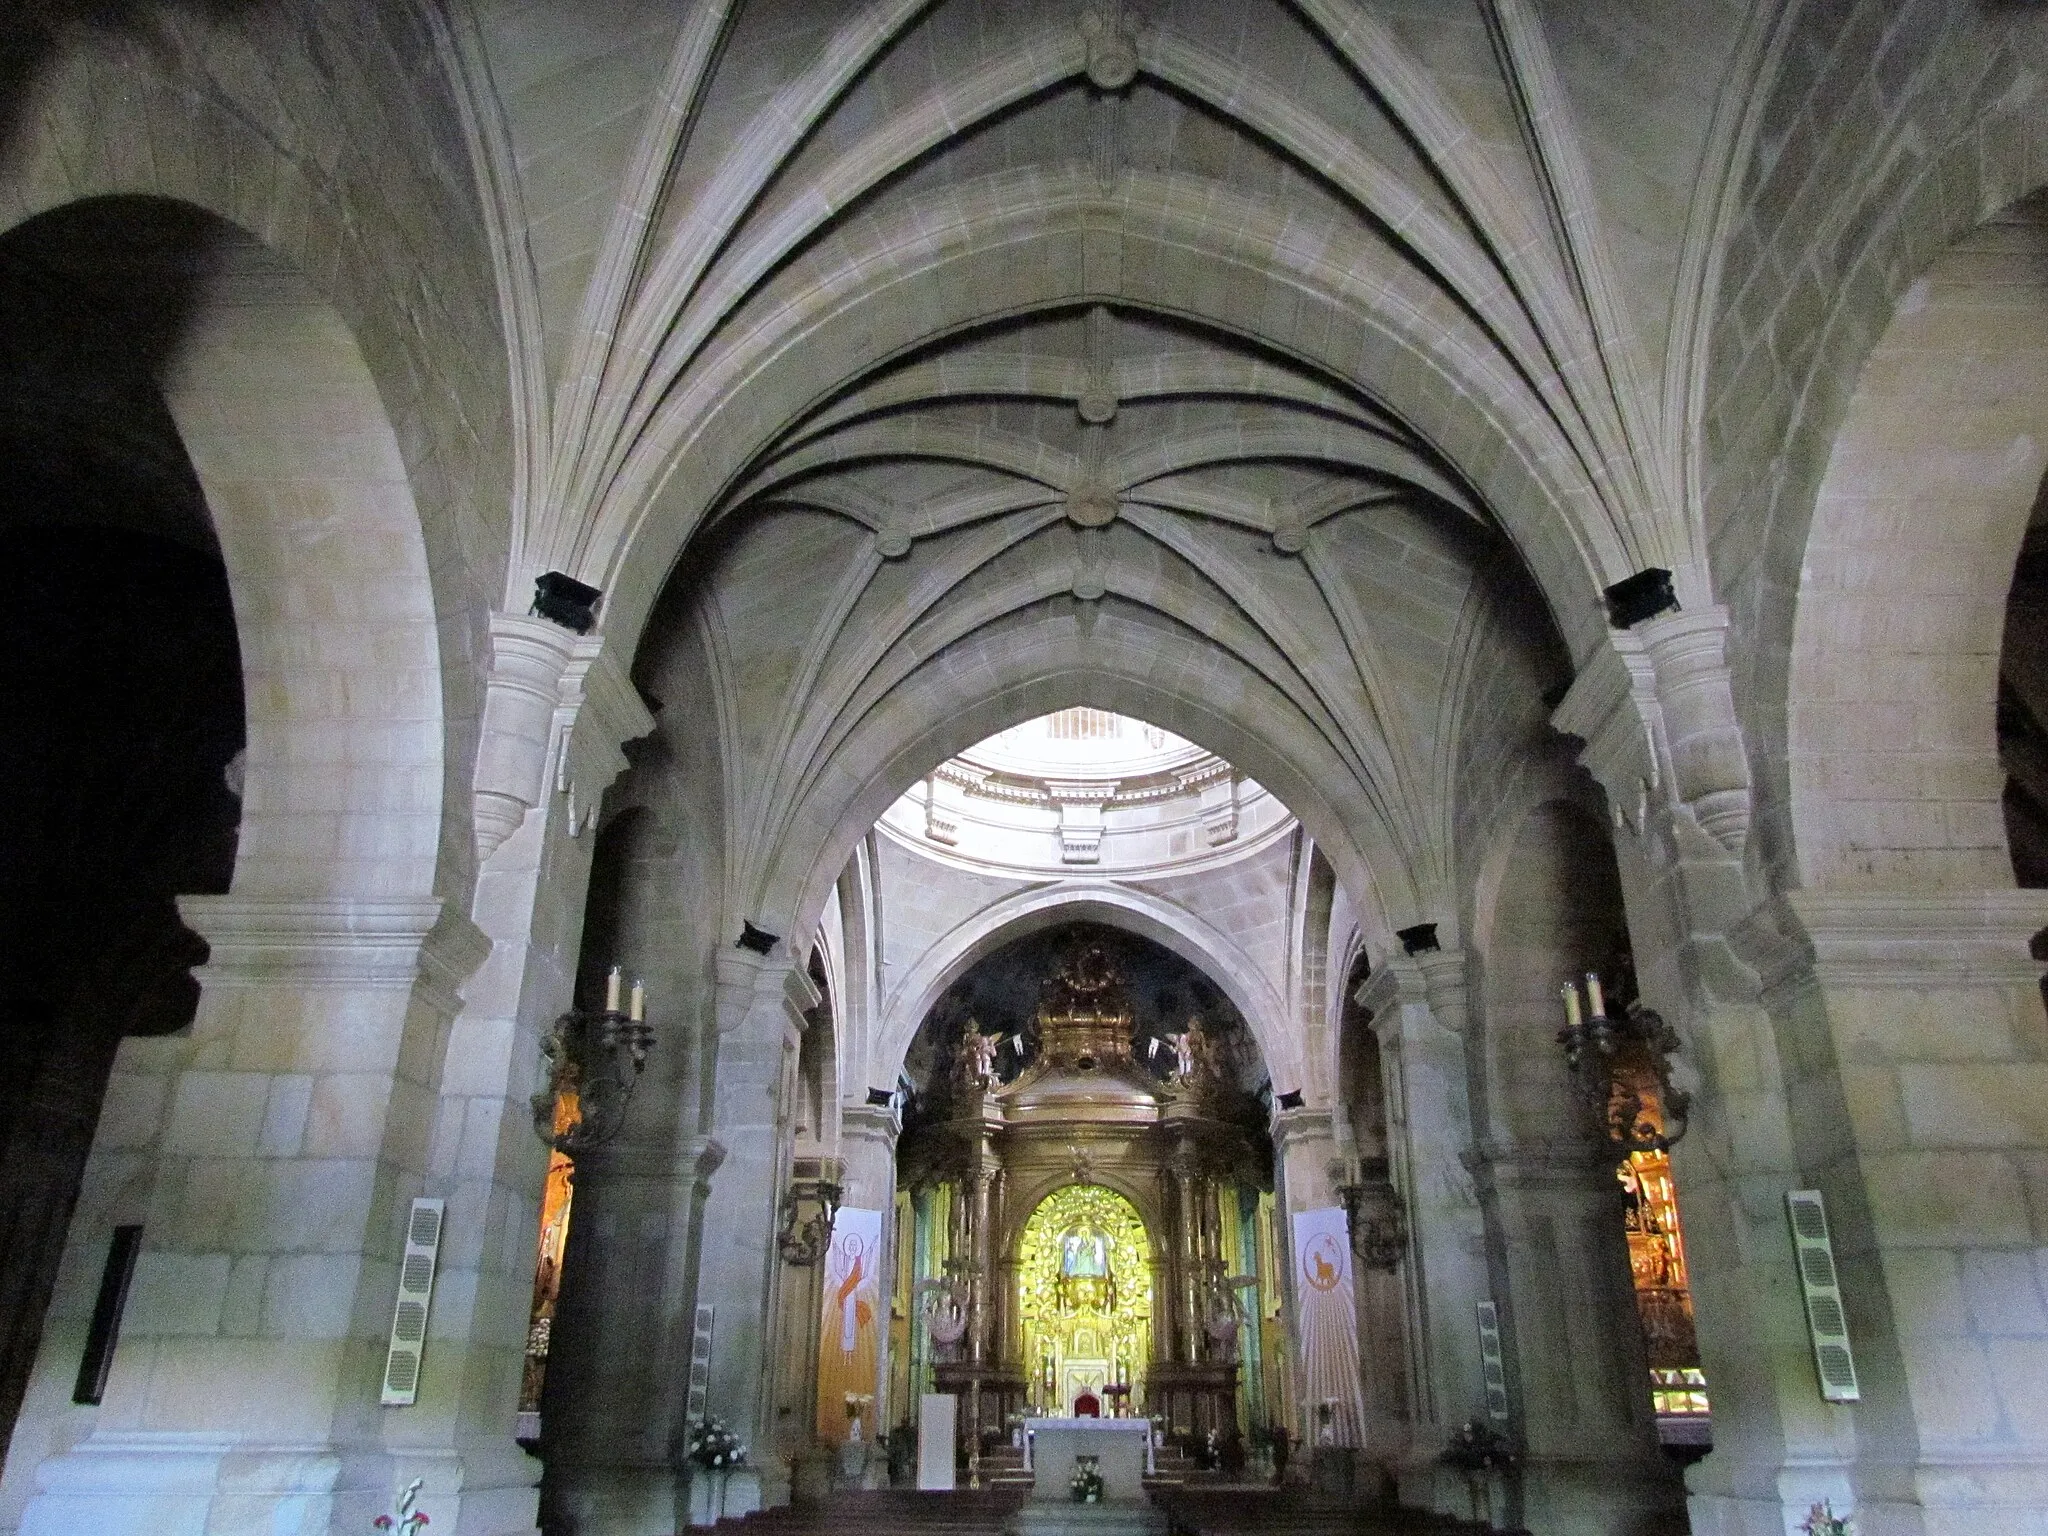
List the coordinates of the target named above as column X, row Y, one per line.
column 1122, row 1448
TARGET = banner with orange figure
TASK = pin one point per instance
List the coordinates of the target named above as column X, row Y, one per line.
column 1327, row 1328
column 849, row 1331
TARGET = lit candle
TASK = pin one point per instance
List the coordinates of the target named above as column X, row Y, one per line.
column 639, row 1001
column 1599, row 1003
column 1571, row 1003
column 611, row 991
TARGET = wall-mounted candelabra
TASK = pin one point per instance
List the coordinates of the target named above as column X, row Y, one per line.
column 590, row 1063
column 1376, row 1217
column 809, row 1206
column 1621, row 1069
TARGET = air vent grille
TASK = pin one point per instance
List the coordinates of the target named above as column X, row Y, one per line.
column 1826, row 1322
column 415, row 1296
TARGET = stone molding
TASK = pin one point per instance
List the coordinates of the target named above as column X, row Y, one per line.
column 1558, row 1162
column 556, row 702
column 1894, row 939
column 262, row 941
column 1294, row 1126
column 1655, row 707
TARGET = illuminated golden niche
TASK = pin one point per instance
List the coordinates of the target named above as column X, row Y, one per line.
column 1084, row 1292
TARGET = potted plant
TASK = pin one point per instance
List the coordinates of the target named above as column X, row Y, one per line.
column 1821, row 1520
column 1086, row 1484
column 714, row 1452
column 1479, row 1450
column 408, row 1521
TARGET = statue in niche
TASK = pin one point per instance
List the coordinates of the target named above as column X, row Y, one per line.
column 1084, row 1254
column 977, row 1059
column 1085, row 1282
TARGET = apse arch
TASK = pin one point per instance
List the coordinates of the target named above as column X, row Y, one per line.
column 980, row 696
column 1133, row 910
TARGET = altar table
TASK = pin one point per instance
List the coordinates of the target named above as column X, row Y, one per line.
column 1122, row 1448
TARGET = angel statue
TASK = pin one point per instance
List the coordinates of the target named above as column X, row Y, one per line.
column 977, row 1061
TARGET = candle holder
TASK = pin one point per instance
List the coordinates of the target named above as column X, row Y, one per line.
column 808, row 1208
column 1375, row 1217
column 590, row 1063
column 1621, row 1069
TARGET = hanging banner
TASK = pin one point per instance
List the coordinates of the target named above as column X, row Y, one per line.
column 1328, row 1328
column 848, row 1336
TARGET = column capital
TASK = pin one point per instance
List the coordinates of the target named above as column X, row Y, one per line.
column 1396, row 981
column 1655, row 707
column 557, row 709
column 869, row 1122
column 268, row 941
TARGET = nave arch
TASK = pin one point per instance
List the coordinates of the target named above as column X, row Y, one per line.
column 334, row 949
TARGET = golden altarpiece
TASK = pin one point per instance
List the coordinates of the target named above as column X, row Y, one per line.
column 1091, row 1228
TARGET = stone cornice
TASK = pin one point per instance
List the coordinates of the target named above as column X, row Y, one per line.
column 259, row 941
column 1896, row 938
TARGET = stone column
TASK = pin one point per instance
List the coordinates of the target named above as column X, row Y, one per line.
column 1578, row 1376
column 867, row 1148
column 1916, row 1047
column 1655, row 712
column 558, row 711
column 281, row 1143
column 1419, row 1014
column 739, row 1270
column 1304, row 1150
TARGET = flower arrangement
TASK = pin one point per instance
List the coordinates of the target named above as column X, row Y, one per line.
column 408, row 1520
column 1477, row 1446
column 1821, row 1520
column 1086, row 1484
column 715, row 1447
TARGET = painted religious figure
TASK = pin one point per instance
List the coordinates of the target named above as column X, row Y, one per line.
column 848, row 1342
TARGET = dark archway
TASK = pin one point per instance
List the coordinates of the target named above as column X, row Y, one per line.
column 124, row 757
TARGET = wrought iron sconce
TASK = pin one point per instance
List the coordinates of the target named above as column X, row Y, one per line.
column 808, row 1208
column 1376, row 1217
column 1622, row 1071
column 590, row 1063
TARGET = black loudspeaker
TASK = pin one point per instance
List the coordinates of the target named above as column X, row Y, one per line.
column 566, row 601
column 1641, row 596
column 1291, row 1099
column 759, row 940
column 1419, row 940
column 880, row 1098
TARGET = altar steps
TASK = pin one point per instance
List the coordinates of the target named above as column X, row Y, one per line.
column 1241, row 1510
column 883, row 1512
column 1199, row 1508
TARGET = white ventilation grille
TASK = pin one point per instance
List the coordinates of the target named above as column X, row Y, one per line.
column 1491, row 1367
column 415, row 1295
column 1825, row 1320
column 700, row 1364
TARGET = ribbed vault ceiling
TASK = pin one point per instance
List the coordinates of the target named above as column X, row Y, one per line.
column 1304, row 337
